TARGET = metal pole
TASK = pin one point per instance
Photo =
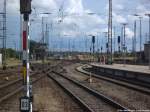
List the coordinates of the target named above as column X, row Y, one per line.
column 140, row 34
column 122, row 39
column 93, row 51
column 149, row 28
column 47, row 38
column 114, row 39
column 140, row 18
column 124, row 43
column 122, row 29
column 4, row 36
column 133, row 45
column 149, row 40
column 43, row 41
column 20, row 37
column 106, row 37
column 135, row 41
column 25, row 44
column 26, row 101
column 140, row 38
column 110, row 33
column 93, row 48
column 149, row 57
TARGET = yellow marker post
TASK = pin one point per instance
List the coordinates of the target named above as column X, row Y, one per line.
column 24, row 74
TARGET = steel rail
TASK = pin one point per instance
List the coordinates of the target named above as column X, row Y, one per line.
column 81, row 103
column 12, row 82
column 20, row 79
column 118, row 82
column 17, row 90
column 5, row 97
column 93, row 92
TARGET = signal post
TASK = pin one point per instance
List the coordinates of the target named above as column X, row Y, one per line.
column 26, row 100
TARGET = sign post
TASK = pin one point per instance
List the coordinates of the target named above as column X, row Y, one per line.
column 25, row 102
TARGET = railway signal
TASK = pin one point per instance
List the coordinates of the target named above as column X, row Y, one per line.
column 93, row 42
column 25, row 101
column 119, row 41
column 25, row 6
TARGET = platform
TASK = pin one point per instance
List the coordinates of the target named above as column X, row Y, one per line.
column 131, row 68
column 128, row 72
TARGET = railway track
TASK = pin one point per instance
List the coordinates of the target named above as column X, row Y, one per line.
column 126, row 84
column 13, row 87
column 89, row 99
column 13, row 73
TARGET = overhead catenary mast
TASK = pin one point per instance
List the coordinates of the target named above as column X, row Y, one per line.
column 124, row 43
column 47, row 35
column 4, row 36
column 134, row 41
column 43, row 41
column 110, row 34
column 114, row 39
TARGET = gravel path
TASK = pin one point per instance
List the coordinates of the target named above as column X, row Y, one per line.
column 50, row 98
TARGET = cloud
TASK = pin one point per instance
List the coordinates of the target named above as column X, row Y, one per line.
column 70, row 33
column 44, row 5
column 129, row 33
column 118, row 18
column 83, row 23
column 141, row 8
column 95, row 32
column 118, row 7
column 40, row 5
column 12, row 6
column 77, row 20
column 75, row 6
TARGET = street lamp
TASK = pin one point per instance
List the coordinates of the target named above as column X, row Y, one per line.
column 135, row 37
column 140, row 18
column 124, row 43
column 149, row 25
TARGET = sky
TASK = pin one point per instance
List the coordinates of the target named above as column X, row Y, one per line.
column 77, row 22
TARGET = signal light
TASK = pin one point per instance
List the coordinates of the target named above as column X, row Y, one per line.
column 25, row 6
column 119, row 40
column 93, row 39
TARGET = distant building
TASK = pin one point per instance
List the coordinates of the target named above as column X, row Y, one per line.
column 147, row 50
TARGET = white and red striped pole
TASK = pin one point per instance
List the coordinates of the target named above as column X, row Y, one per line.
column 25, row 102
column 25, row 57
column 26, row 52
